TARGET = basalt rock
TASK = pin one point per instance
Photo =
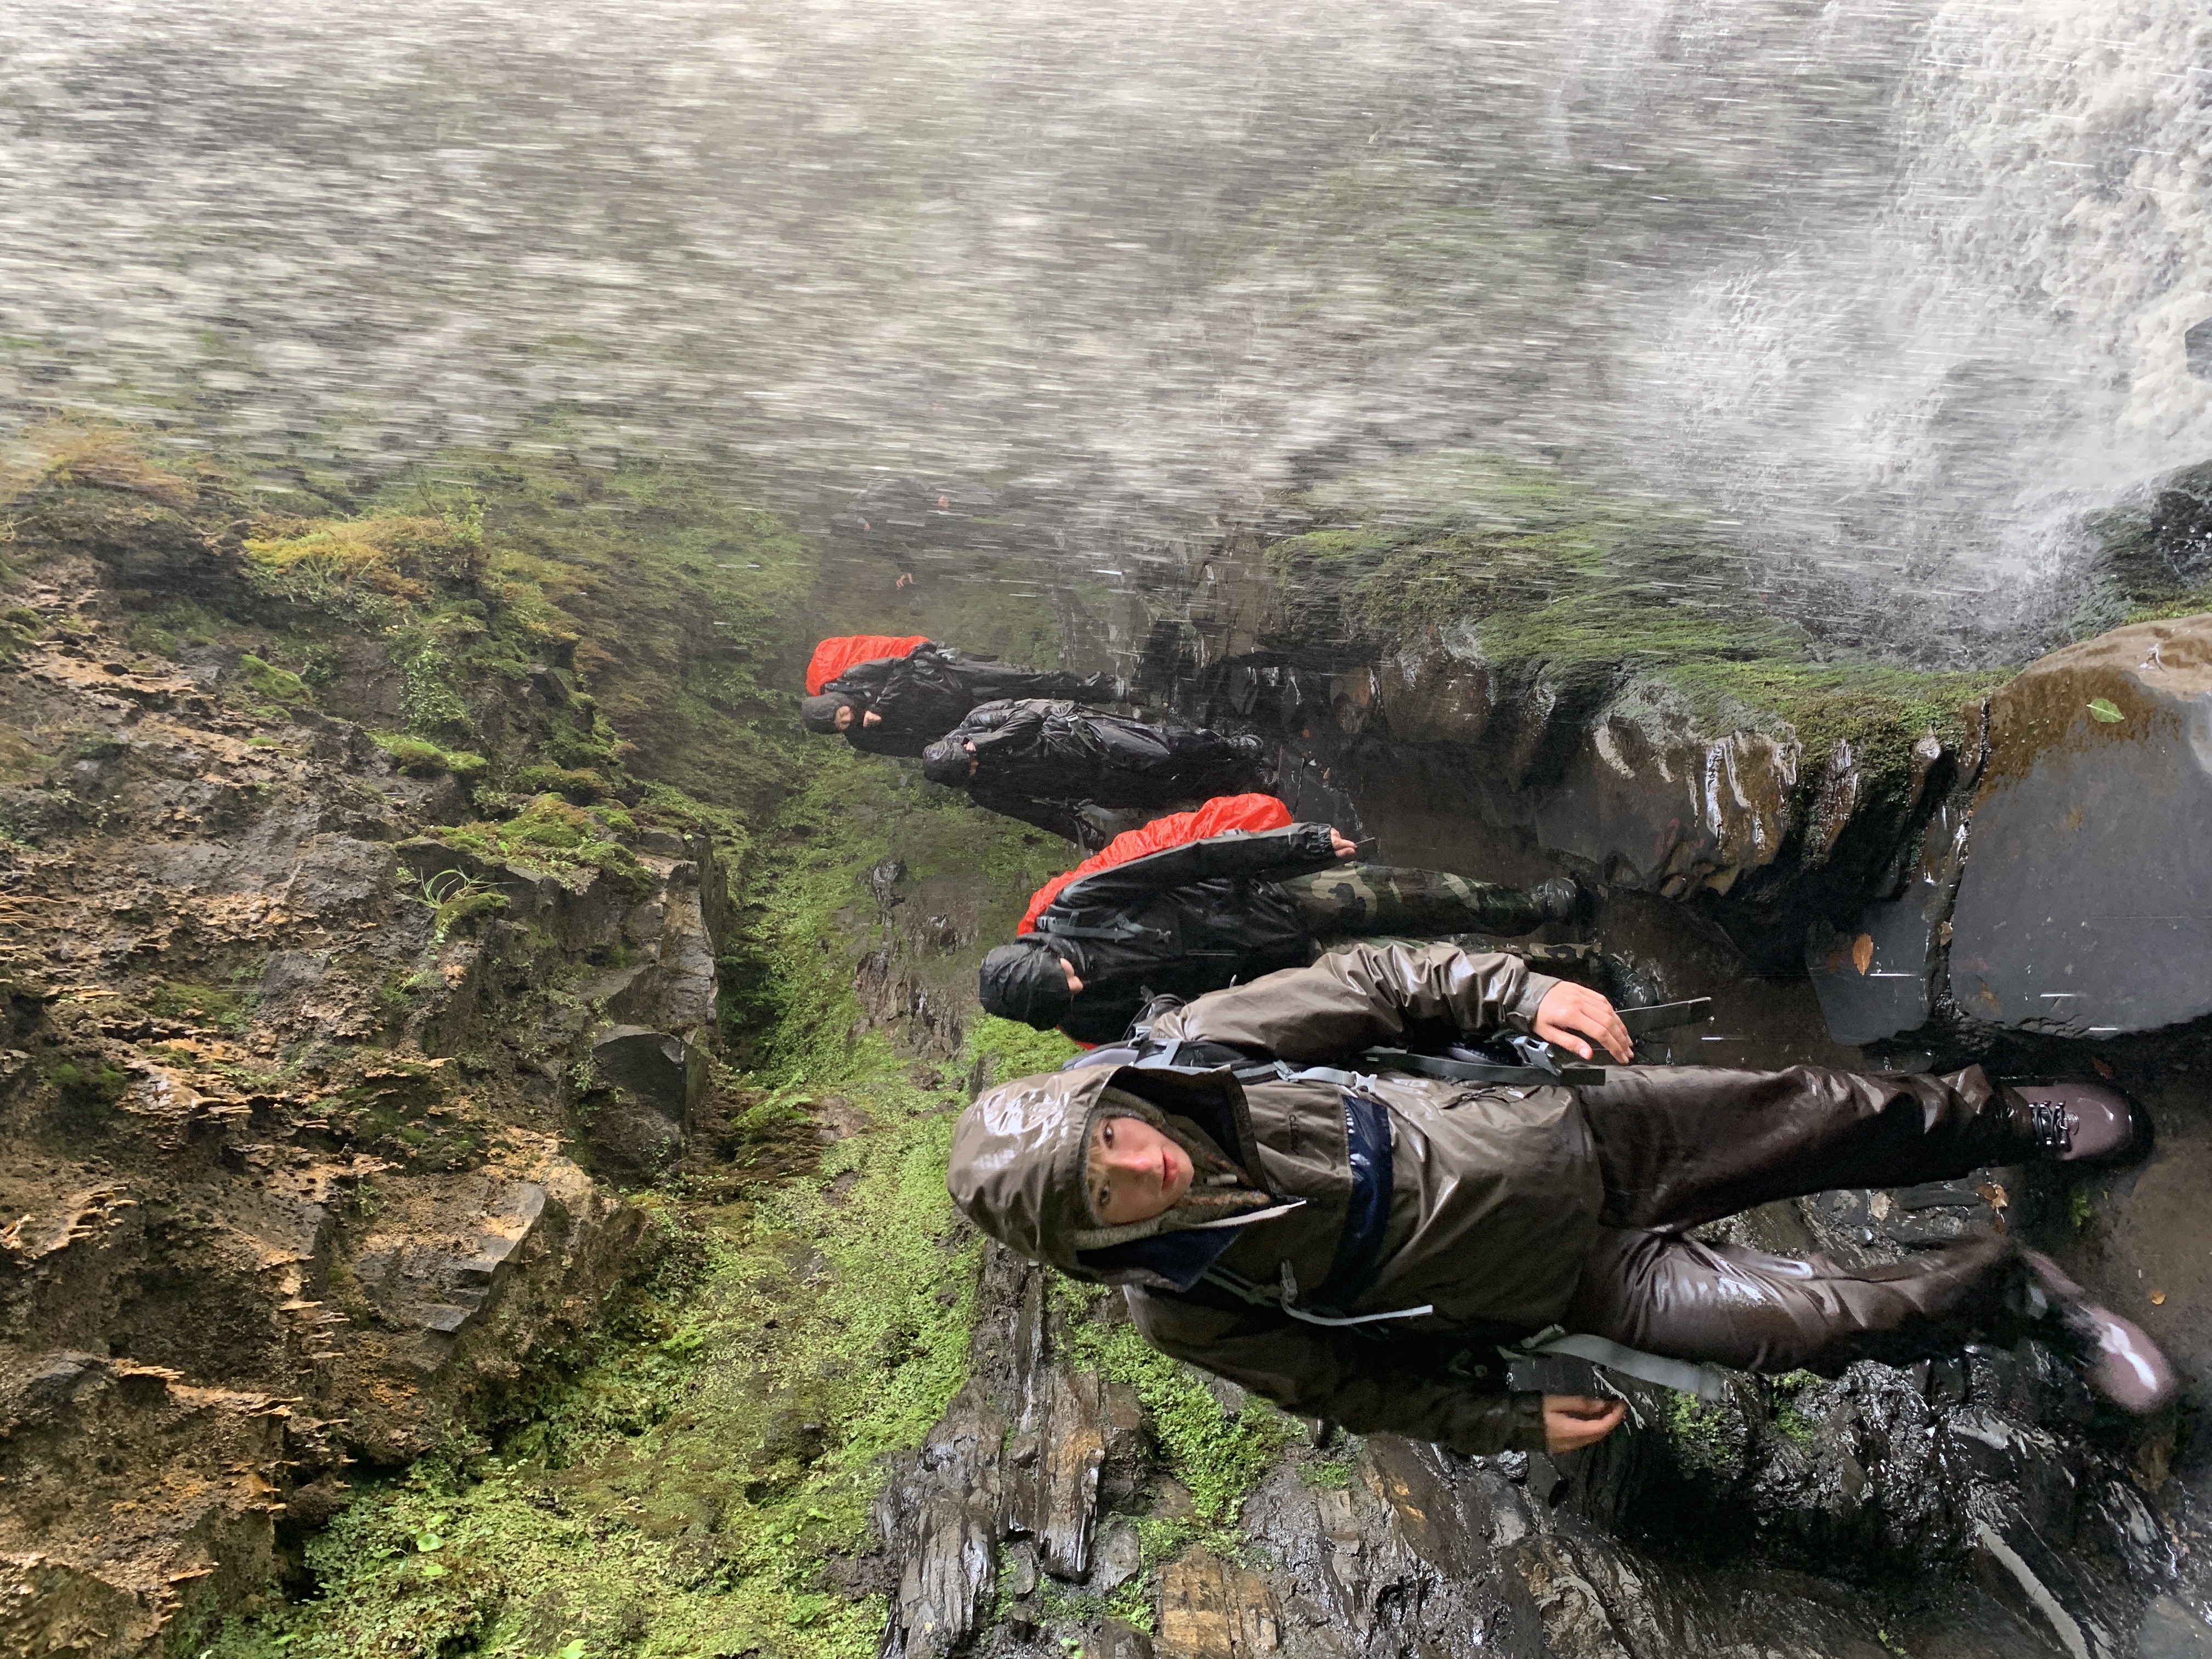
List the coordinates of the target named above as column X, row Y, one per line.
column 2087, row 869
column 287, row 1184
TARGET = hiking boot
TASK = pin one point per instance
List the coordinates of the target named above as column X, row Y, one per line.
column 1561, row 899
column 2118, row 1360
column 2076, row 1122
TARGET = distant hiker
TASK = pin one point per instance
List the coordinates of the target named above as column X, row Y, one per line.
column 1042, row 761
column 896, row 695
column 900, row 517
column 1205, row 899
column 1378, row 1247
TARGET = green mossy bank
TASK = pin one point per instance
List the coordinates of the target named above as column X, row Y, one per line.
column 1576, row 598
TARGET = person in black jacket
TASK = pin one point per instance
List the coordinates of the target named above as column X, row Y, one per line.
column 899, row 705
column 1042, row 761
column 1213, row 913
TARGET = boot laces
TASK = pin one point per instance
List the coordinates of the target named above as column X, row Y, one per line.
column 2054, row 1129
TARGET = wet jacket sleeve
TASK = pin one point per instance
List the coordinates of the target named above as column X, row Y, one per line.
column 1295, row 849
column 1364, row 995
column 865, row 680
column 1348, row 1379
column 1006, row 722
column 925, row 691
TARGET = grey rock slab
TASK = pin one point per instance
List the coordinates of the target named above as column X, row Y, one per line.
column 1657, row 806
column 2171, row 1629
column 659, row 1069
column 2086, row 908
column 938, row 1516
column 1117, row 1559
column 1882, row 977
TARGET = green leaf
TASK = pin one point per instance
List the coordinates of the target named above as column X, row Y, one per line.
column 573, row 1650
column 432, row 1570
column 429, row 1541
column 2107, row 711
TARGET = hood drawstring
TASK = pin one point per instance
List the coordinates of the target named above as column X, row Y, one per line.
column 1284, row 1298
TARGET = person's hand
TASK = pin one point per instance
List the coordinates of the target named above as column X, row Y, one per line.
column 1340, row 845
column 1572, row 1421
column 1568, row 1008
column 871, row 718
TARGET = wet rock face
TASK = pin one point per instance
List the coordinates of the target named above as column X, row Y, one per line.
column 287, row 1176
column 2088, row 871
column 1965, row 1506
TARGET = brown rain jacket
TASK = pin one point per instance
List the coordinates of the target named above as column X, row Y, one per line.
column 1493, row 1198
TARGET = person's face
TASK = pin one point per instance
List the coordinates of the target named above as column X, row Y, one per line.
column 844, row 717
column 1135, row 1171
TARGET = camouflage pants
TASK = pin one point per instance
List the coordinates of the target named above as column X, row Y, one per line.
column 1366, row 899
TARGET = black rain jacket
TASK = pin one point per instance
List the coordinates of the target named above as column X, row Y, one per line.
column 1183, row 922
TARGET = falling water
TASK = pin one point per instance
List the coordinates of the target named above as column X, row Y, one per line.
column 1894, row 290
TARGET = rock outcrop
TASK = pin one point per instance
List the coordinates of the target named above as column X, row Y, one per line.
column 2088, row 867
column 320, row 1078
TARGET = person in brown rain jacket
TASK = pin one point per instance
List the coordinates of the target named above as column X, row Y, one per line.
column 1328, row 1238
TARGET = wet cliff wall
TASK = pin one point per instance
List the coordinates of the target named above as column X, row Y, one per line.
column 741, row 1382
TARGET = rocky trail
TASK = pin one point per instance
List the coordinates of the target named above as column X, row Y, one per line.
column 476, row 1086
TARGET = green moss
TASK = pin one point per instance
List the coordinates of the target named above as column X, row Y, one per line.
column 1217, row 1457
column 266, row 680
column 789, row 1006
column 419, row 757
column 223, row 1007
column 91, row 1086
column 552, row 837
column 457, row 900
column 1706, row 1437
column 576, row 784
column 1333, row 1474
column 1595, row 594
column 2197, row 602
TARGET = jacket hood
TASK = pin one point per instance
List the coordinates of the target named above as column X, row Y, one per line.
column 1017, row 1170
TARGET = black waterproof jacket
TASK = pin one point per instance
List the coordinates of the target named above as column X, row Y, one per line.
column 923, row 695
column 1192, row 919
column 1033, row 751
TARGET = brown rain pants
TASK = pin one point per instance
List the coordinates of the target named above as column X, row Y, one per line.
column 1681, row 1146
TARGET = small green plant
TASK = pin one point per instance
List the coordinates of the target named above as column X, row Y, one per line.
column 455, row 898
column 1332, row 1475
column 1703, row 1433
column 149, row 641
column 2079, row 1210
column 91, row 1086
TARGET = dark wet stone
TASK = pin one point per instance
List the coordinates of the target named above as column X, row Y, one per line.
column 645, row 1084
column 2088, row 872
column 1880, row 978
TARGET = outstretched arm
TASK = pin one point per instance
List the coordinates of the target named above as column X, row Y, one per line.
column 1364, row 995
column 1007, row 722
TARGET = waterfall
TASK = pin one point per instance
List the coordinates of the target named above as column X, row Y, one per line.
column 1894, row 289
